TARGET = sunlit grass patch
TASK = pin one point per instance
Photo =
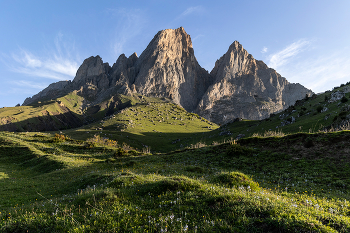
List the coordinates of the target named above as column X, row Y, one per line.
column 259, row 184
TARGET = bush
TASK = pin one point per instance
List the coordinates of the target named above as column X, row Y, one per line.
column 120, row 152
column 90, row 145
column 59, row 138
column 344, row 99
column 319, row 108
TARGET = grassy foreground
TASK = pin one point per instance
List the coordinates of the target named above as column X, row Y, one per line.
column 276, row 184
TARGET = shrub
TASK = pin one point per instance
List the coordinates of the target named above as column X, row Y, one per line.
column 319, row 108
column 97, row 139
column 120, row 152
column 90, row 145
column 344, row 99
column 59, row 138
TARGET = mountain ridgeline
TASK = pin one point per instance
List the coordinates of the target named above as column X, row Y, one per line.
column 238, row 86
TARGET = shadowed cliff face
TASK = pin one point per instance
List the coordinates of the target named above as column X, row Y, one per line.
column 246, row 88
column 238, row 85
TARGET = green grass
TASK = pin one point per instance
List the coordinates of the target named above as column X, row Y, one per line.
column 160, row 125
column 274, row 184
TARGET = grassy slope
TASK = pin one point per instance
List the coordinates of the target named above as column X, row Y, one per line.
column 289, row 184
column 160, row 125
column 27, row 117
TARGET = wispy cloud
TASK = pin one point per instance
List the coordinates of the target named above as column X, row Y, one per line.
column 320, row 74
column 282, row 57
column 55, row 64
column 29, row 84
column 191, row 10
column 264, row 50
column 197, row 37
column 130, row 24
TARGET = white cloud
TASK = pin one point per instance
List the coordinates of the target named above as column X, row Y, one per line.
column 284, row 56
column 130, row 24
column 197, row 37
column 320, row 73
column 56, row 64
column 28, row 84
column 264, row 50
column 191, row 10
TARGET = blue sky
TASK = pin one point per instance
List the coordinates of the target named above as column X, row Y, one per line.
column 46, row 41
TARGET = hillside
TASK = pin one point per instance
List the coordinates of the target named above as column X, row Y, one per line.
column 262, row 185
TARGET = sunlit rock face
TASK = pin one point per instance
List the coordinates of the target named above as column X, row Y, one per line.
column 246, row 88
column 168, row 68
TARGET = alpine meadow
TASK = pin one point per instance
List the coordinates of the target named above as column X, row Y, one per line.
column 156, row 143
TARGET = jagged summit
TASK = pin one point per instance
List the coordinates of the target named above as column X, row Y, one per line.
column 168, row 68
column 246, row 88
column 238, row 85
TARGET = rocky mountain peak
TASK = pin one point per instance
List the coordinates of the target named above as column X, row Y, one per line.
column 91, row 66
column 246, row 88
column 168, row 68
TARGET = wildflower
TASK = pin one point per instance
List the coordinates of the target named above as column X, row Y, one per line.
column 186, row 228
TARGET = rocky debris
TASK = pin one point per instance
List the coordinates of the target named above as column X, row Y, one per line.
column 246, row 88
column 288, row 121
column 222, row 133
column 335, row 96
column 239, row 136
column 324, row 109
column 175, row 141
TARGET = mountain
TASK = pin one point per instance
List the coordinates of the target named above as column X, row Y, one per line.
column 246, row 88
column 238, row 86
column 168, row 68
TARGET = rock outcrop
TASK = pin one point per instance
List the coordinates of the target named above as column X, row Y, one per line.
column 246, row 88
column 168, row 68
column 238, row 87
column 54, row 90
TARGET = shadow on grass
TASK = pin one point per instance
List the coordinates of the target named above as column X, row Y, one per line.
column 25, row 158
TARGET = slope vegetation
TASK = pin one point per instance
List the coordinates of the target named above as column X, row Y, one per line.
column 56, row 184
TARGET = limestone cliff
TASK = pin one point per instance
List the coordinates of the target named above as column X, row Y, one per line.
column 246, row 88
column 168, row 68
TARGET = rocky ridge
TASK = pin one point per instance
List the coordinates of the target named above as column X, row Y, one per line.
column 238, row 85
column 246, row 88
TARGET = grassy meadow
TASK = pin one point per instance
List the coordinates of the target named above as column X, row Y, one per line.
column 273, row 184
